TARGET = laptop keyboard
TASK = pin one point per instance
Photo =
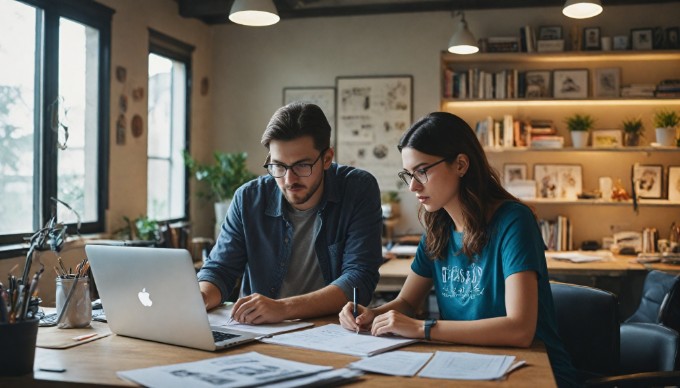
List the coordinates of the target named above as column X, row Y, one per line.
column 221, row 336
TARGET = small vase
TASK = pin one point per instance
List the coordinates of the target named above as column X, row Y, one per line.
column 666, row 136
column 221, row 209
column 579, row 139
column 632, row 139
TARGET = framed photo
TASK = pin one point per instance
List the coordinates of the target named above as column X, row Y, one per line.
column 538, row 84
column 372, row 114
column 322, row 96
column 558, row 181
column 514, row 172
column 570, row 83
column 641, row 39
column 607, row 138
column 620, row 42
column 658, row 38
column 607, row 82
column 674, row 183
column 673, row 37
column 591, row 38
column 648, row 180
column 549, row 32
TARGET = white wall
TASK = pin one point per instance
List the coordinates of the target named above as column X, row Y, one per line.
column 253, row 65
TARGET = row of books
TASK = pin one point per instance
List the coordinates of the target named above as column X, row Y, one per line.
column 557, row 234
column 509, row 132
column 479, row 84
column 668, row 88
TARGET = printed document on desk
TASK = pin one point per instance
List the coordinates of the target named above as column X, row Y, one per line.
column 467, row 366
column 334, row 338
column 242, row 370
column 221, row 317
column 580, row 256
column 395, row 363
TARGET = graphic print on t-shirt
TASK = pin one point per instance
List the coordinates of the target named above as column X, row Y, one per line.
column 462, row 282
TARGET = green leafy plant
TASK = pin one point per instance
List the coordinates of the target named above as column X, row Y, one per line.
column 666, row 118
column 579, row 122
column 142, row 228
column 390, row 197
column 223, row 178
column 633, row 126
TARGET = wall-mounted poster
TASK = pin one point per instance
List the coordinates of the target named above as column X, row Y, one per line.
column 372, row 114
column 323, row 97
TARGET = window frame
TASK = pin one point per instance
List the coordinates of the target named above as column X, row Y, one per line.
column 96, row 16
column 169, row 47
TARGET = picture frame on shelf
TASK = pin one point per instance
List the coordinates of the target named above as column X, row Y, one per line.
column 570, row 84
column 673, row 38
column 674, row 183
column 322, row 96
column 658, row 38
column 641, row 39
column 514, row 172
column 538, row 84
column 591, row 38
column 620, row 42
column 558, row 181
column 607, row 82
column 607, row 138
column 648, row 180
column 549, row 32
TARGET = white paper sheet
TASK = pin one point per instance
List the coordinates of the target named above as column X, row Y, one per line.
column 579, row 257
column 333, row 338
column 323, row 379
column 395, row 363
column 241, row 370
column 467, row 366
column 221, row 317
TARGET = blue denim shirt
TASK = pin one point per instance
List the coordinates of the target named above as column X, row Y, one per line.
column 255, row 238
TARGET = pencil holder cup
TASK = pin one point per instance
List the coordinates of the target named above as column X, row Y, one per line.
column 18, row 347
column 74, row 306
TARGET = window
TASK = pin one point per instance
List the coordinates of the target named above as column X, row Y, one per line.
column 169, row 80
column 53, row 114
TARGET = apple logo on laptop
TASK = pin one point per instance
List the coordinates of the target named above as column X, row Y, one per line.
column 144, row 297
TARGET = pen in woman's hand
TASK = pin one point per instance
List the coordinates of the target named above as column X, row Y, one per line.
column 355, row 311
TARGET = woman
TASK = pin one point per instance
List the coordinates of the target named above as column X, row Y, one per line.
column 482, row 251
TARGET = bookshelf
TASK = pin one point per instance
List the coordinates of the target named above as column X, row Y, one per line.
column 592, row 219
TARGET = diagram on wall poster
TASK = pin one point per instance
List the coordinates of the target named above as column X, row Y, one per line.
column 372, row 114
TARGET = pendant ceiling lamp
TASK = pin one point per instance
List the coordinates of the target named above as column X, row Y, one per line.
column 256, row 13
column 582, row 9
column 462, row 41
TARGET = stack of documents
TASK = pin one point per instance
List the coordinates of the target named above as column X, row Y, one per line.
column 334, row 338
column 222, row 317
column 467, row 366
column 395, row 363
column 580, row 256
column 242, row 370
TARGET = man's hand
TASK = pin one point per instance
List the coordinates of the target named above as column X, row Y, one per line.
column 257, row 309
column 210, row 293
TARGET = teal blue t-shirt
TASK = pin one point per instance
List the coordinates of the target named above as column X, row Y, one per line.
column 475, row 289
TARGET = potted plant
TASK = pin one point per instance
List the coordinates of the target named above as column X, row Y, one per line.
column 666, row 122
column 223, row 178
column 390, row 204
column 578, row 126
column 632, row 130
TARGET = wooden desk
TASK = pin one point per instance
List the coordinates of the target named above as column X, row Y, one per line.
column 97, row 362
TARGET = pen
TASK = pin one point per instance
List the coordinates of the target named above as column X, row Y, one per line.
column 355, row 312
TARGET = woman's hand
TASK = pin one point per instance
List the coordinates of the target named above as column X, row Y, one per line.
column 396, row 323
column 363, row 320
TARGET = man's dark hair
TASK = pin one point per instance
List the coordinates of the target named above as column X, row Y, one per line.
column 298, row 119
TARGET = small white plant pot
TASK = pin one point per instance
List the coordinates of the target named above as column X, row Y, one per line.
column 221, row 209
column 666, row 136
column 579, row 139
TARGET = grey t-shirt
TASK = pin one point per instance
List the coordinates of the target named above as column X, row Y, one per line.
column 303, row 275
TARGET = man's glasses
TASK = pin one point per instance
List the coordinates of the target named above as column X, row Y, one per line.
column 420, row 175
column 278, row 170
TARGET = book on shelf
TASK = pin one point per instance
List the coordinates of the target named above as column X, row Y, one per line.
column 502, row 44
column 546, row 141
column 557, row 234
column 638, row 90
column 548, row 46
column 527, row 39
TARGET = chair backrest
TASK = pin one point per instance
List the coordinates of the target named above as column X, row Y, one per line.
column 660, row 302
column 587, row 321
column 648, row 347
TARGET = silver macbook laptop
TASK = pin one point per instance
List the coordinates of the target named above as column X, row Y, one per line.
column 153, row 294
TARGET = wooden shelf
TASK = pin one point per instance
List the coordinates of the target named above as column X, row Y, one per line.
column 600, row 202
column 565, row 56
column 646, row 149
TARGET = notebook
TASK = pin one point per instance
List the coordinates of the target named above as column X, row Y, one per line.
column 153, row 294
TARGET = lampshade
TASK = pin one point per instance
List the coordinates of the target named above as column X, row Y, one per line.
column 582, row 9
column 462, row 41
column 255, row 13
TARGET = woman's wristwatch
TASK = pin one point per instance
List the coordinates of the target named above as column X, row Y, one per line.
column 429, row 324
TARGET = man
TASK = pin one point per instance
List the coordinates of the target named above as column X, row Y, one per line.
column 303, row 236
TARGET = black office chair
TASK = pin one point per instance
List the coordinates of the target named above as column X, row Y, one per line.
column 587, row 320
column 660, row 303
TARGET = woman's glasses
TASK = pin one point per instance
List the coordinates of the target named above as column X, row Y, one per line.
column 420, row 175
